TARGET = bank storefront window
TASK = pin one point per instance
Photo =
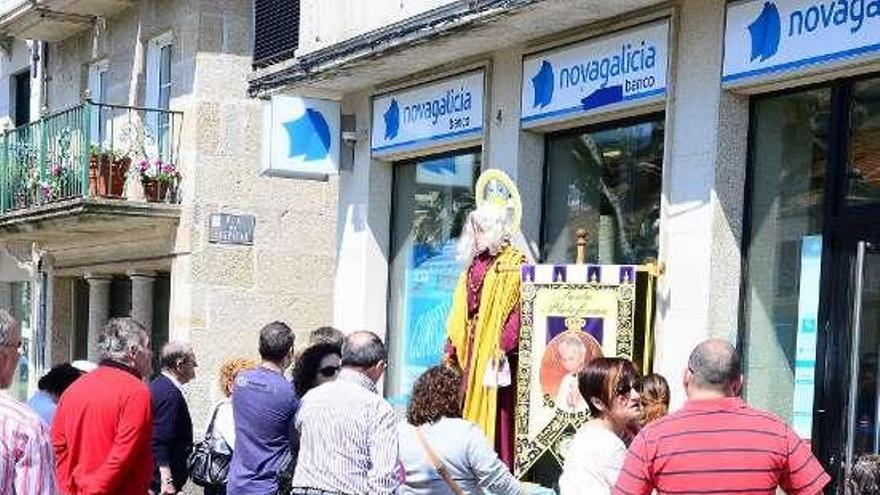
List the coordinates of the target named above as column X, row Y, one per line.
column 432, row 197
column 784, row 250
column 607, row 181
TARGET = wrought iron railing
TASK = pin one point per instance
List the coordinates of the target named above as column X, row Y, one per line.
column 89, row 151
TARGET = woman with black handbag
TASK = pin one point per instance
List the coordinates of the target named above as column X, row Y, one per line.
column 209, row 461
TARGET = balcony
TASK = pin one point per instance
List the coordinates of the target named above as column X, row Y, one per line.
column 54, row 20
column 89, row 170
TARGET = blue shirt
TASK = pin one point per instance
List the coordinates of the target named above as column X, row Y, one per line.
column 43, row 404
column 263, row 405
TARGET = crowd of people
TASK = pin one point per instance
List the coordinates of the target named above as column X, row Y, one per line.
column 104, row 430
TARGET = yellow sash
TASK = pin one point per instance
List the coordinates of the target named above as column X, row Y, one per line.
column 500, row 295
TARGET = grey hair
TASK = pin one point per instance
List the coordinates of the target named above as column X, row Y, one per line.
column 363, row 350
column 119, row 336
column 173, row 353
column 715, row 365
column 8, row 326
column 493, row 221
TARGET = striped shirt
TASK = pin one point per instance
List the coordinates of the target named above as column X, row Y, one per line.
column 27, row 464
column 720, row 446
column 348, row 439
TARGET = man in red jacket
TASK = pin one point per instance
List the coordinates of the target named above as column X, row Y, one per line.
column 103, row 425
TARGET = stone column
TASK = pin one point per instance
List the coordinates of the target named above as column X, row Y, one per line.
column 142, row 297
column 99, row 311
column 703, row 177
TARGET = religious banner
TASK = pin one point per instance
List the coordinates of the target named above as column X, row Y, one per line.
column 571, row 314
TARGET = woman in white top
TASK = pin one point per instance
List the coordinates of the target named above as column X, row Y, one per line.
column 435, row 412
column 224, row 423
column 596, row 453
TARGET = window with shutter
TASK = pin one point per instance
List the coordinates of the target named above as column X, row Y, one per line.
column 276, row 30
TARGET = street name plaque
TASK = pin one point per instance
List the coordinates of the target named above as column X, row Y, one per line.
column 231, row 229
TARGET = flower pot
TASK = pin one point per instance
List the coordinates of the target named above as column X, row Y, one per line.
column 99, row 175
column 107, row 176
column 119, row 171
column 155, row 191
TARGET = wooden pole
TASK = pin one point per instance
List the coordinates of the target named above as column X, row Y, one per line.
column 581, row 243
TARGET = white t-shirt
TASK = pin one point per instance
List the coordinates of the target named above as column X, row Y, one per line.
column 592, row 462
column 224, row 424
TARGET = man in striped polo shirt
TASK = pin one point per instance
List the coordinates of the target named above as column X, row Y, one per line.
column 27, row 465
column 718, row 444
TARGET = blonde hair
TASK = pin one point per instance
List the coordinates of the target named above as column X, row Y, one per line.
column 230, row 369
column 655, row 398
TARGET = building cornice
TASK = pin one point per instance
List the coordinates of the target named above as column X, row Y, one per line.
column 436, row 23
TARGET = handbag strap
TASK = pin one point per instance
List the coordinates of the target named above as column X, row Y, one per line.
column 437, row 463
column 209, row 433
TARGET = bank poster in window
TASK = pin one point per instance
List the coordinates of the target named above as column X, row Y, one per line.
column 430, row 281
column 805, row 353
column 571, row 314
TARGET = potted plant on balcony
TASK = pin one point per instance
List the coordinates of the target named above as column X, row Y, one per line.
column 57, row 185
column 107, row 171
column 157, row 177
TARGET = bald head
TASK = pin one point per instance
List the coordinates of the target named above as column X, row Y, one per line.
column 715, row 365
column 363, row 350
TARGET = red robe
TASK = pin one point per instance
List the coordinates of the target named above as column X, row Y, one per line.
column 504, row 434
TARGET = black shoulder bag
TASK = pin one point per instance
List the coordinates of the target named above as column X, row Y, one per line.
column 208, row 463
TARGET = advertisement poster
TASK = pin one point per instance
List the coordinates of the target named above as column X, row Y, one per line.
column 430, row 282
column 805, row 353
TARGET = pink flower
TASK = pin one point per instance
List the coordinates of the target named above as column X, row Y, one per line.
column 57, row 169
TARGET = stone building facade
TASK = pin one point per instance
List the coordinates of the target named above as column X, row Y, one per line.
column 95, row 257
column 745, row 162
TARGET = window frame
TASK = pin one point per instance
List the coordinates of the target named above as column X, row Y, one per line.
column 153, row 68
column 157, row 121
column 392, row 379
column 97, row 85
column 607, row 125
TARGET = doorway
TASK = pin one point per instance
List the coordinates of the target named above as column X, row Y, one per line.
column 22, row 87
column 810, row 335
column 432, row 197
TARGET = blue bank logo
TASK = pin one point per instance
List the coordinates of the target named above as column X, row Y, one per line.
column 543, row 83
column 308, row 136
column 608, row 95
column 392, row 120
column 764, row 32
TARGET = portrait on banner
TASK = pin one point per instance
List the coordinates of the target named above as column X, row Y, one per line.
column 571, row 314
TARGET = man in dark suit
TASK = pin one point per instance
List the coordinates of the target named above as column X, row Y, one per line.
column 172, row 425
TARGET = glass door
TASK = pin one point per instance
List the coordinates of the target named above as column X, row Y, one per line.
column 848, row 406
column 432, row 197
column 863, row 413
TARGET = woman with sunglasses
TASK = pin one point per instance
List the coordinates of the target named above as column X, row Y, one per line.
column 318, row 364
column 598, row 449
column 315, row 365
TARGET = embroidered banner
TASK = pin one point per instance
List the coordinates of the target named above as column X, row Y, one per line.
column 571, row 314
